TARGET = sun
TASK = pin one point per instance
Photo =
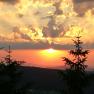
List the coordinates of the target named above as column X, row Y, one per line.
column 51, row 54
column 50, row 50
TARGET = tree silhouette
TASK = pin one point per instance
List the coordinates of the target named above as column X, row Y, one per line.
column 26, row 89
column 75, row 75
column 9, row 73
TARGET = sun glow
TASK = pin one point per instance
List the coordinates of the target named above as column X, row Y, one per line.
column 52, row 56
column 51, row 53
column 51, row 50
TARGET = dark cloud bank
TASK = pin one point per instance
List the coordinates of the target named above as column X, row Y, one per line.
column 81, row 6
column 41, row 45
column 10, row 1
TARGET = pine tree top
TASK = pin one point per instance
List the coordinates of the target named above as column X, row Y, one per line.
column 79, row 54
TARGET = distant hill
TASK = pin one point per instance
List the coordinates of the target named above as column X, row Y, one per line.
column 48, row 79
column 41, row 78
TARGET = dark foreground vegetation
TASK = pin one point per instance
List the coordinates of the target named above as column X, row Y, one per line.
column 33, row 80
column 18, row 79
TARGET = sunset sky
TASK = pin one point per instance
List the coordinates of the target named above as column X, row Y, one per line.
column 44, row 24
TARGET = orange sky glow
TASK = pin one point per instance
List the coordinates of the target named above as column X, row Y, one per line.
column 46, row 59
column 40, row 24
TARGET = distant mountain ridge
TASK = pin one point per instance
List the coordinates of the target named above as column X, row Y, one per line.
column 42, row 78
column 48, row 79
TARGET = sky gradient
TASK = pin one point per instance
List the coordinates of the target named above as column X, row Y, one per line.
column 32, row 27
column 45, row 58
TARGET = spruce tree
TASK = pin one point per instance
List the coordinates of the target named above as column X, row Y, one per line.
column 75, row 75
column 10, row 73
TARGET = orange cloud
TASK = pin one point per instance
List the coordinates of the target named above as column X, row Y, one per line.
column 46, row 21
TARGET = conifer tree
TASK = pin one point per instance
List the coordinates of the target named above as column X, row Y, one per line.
column 9, row 73
column 75, row 75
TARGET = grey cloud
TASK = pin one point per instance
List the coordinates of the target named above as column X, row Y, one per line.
column 45, row 32
column 32, row 45
column 26, row 37
column 10, row 1
column 81, row 6
column 20, row 15
column 58, row 10
column 22, row 35
column 41, row 45
column 49, row 31
column 52, row 30
column 79, row 1
column 25, row 45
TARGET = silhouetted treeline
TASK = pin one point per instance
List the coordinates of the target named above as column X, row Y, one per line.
column 75, row 75
column 10, row 74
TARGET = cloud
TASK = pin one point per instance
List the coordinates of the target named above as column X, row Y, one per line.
column 82, row 6
column 41, row 45
column 22, row 35
column 10, row 1
column 53, row 30
column 43, row 22
column 58, row 10
column 79, row 1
